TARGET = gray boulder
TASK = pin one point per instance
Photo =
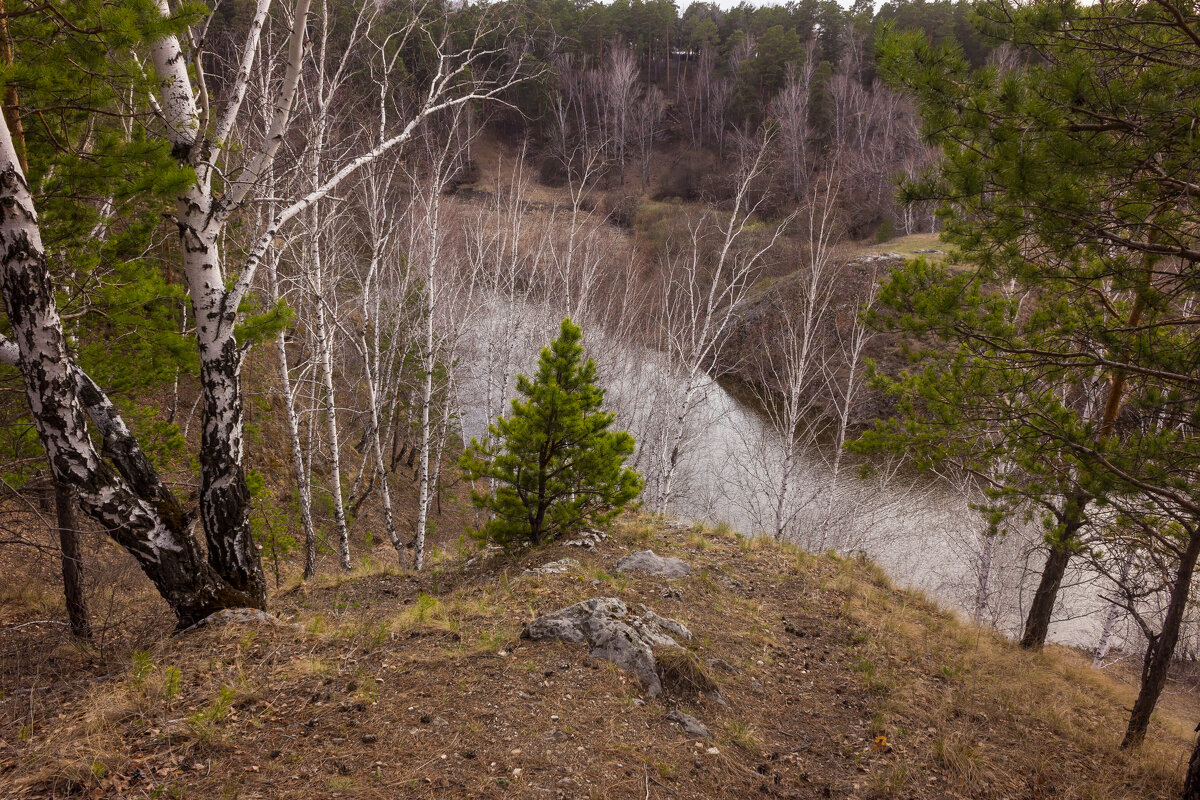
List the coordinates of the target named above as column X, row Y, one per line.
column 646, row 561
column 612, row 633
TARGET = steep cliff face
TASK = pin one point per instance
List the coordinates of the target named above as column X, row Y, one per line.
column 751, row 357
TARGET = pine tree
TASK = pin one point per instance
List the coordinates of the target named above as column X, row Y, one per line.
column 1066, row 179
column 554, row 462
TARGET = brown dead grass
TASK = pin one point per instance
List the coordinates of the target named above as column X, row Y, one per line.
column 400, row 685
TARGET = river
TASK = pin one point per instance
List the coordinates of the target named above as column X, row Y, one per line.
column 920, row 528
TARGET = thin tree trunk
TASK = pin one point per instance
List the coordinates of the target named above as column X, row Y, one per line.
column 72, row 562
column 303, row 486
column 1191, row 783
column 1110, row 620
column 983, row 589
column 1161, row 648
column 335, row 456
column 1037, row 621
column 423, row 473
column 377, row 445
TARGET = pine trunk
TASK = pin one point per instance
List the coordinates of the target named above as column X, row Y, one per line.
column 1161, row 649
column 1191, row 782
column 1037, row 622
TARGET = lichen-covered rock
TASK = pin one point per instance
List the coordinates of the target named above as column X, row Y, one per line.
column 251, row 616
column 646, row 561
column 553, row 567
column 612, row 633
column 588, row 539
column 690, row 724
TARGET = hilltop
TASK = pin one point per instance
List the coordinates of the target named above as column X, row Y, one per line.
column 831, row 683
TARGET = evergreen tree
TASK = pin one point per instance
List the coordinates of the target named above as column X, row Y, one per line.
column 1066, row 181
column 554, row 462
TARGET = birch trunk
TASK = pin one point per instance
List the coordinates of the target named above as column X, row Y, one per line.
column 325, row 342
column 303, row 486
column 125, row 496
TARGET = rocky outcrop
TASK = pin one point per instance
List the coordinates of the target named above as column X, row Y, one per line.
column 741, row 359
column 647, row 562
column 611, row 632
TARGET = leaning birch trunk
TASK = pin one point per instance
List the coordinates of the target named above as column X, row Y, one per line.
column 299, row 472
column 1111, row 617
column 389, row 520
column 130, row 501
column 1104, row 644
column 303, row 486
column 983, row 584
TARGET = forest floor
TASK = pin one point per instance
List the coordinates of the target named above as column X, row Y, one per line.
column 397, row 685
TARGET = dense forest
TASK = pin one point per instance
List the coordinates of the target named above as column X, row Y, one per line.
column 290, row 289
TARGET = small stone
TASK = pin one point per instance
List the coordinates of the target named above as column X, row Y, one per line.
column 369, row 738
column 712, row 751
column 721, row 664
column 690, row 724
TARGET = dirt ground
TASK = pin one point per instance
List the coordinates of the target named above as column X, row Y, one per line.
column 394, row 685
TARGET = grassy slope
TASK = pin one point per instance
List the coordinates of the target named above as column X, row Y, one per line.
column 396, row 687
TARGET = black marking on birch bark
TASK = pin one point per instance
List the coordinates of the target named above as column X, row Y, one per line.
column 224, row 496
column 134, row 507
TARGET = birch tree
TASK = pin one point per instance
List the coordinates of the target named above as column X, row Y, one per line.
column 124, row 492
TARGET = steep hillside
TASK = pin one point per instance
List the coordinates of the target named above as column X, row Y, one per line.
column 830, row 683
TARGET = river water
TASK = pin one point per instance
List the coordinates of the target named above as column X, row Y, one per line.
column 920, row 528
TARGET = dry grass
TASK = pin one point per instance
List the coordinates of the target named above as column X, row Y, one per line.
column 834, row 684
column 683, row 673
column 908, row 246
